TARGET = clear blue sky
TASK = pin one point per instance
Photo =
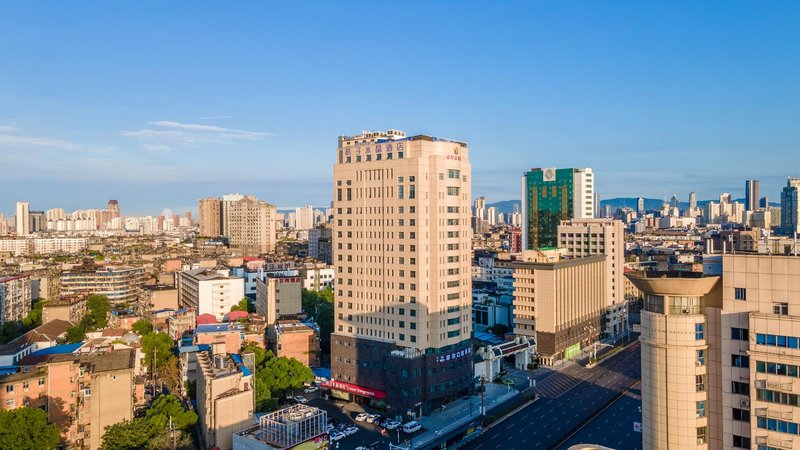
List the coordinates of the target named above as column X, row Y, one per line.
column 160, row 103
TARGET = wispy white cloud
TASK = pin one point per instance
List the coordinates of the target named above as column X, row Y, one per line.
column 167, row 135
column 7, row 140
column 9, row 128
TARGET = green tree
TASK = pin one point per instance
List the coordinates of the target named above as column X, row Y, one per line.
column 243, row 305
column 279, row 375
column 75, row 333
column 158, row 345
column 319, row 306
column 129, row 435
column 27, row 428
column 34, row 317
column 97, row 314
column 166, row 407
column 142, row 327
column 10, row 331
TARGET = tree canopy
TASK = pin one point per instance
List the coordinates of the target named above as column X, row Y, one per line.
column 27, row 428
column 152, row 431
column 244, row 305
column 275, row 376
column 97, row 312
column 319, row 306
column 142, row 327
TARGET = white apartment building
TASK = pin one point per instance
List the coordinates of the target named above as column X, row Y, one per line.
column 250, row 225
column 15, row 298
column 23, row 219
column 209, row 291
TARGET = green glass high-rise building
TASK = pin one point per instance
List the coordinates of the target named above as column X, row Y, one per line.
column 549, row 196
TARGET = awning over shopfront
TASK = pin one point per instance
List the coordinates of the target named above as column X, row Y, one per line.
column 354, row 389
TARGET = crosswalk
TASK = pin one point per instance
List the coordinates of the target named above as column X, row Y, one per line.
column 556, row 384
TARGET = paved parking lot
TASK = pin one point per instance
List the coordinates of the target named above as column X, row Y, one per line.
column 368, row 434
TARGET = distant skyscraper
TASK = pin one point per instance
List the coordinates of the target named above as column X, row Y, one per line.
column 251, row 225
column 640, row 206
column 790, row 207
column 210, row 211
column 304, row 218
column 692, row 200
column 38, row 221
column 23, row 219
column 113, row 208
column 402, row 243
column 673, row 202
column 764, row 202
column 751, row 194
column 225, row 208
column 551, row 195
column 597, row 204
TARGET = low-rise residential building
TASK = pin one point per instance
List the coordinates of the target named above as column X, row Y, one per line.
column 71, row 308
column 278, row 295
column 316, row 278
column 119, row 284
column 15, row 298
column 180, row 322
column 229, row 334
column 45, row 335
column 82, row 393
column 209, row 291
column 160, row 296
column 225, row 393
column 293, row 339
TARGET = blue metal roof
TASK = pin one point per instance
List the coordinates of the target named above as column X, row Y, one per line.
column 490, row 338
column 58, row 349
column 194, row 348
column 322, row 372
column 8, row 370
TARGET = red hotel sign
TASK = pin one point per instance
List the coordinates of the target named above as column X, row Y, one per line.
column 354, row 389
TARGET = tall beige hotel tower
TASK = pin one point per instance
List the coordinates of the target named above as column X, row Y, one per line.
column 402, row 249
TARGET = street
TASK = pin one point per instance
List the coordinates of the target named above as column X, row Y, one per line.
column 569, row 400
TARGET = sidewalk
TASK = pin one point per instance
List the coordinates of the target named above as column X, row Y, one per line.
column 460, row 412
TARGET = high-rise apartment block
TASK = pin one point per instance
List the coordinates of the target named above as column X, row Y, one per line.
column 113, row 208
column 402, row 247
column 549, row 196
column 23, row 219
column 210, row 210
column 250, row 225
column 751, row 195
column 304, row 218
column 720, row 355
column 589, row 237
column 15, row 298
column 790, row 207
column 278, row 295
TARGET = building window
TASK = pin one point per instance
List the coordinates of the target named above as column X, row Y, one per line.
column 781, row 309
column 740, row 388
column 742, row 415
column 701, row 357
column 740, row 361
column 10, row 403
column 452, row 190
column 452, row 173
column 777, row 425
column 10, row 388
column 740, row 294
column 741, row 441
column 698, row 331
column 700, row 408
column 740, row 334
column 700, row 383
column 701, row 435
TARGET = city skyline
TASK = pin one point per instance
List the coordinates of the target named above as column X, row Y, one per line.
column 273, row 84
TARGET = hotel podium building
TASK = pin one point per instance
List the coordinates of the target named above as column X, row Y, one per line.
column 721, row 356
column 402, row 252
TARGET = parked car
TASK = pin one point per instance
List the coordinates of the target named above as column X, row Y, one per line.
column 373, row 417
column 384, row 422
column 341, row 427
column 362, row 417
column 350, row 430
column 330, row 429
column 392, row 425
column 411, row 427
column 311, row 389
column 337, row 435
column 300, row 399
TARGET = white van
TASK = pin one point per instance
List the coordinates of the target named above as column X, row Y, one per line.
column 411, row 427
